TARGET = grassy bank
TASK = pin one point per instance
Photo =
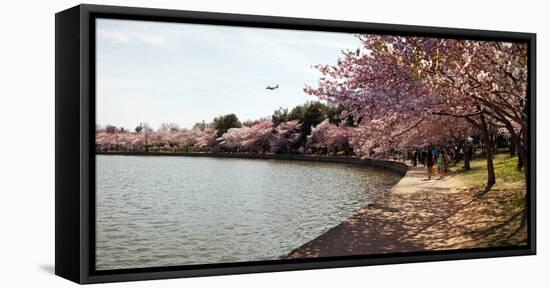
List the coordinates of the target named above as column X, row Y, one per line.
column 505, row 170
column 501, row 212
column 510, row 187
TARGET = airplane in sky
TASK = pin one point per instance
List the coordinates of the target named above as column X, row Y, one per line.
column 272, row 87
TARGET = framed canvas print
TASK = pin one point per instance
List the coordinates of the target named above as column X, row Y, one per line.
column 194, row 144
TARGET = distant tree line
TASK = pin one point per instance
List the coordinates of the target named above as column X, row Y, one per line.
column 314, row 128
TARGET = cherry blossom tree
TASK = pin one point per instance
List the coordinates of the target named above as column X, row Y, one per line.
column 234, row 138
column 286, row 135
column 327, row 136
column 398, row 86
column 138, row 142
column 259, row 137
column 339, row 138
column 320, row 134
column 204, row 138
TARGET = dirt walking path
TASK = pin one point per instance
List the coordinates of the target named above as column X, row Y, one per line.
column 419, row 214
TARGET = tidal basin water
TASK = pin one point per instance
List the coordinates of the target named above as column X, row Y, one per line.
column 173, row 210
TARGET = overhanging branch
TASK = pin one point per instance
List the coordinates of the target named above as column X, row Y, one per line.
column 408, row 129
column 457, row 115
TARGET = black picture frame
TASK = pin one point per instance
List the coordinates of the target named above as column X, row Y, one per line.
column 75, row 136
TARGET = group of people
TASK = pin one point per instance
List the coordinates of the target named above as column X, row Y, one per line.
column 432, row 158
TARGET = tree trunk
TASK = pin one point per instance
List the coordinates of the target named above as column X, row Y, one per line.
column 466, row 151
column 523, row 151
column 516, row 145
column 524, row 140
column 491, row 178
column 520, row 153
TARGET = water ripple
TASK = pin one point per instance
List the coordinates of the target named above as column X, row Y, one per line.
column 165, row 211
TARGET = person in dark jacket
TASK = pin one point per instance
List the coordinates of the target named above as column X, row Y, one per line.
column 430, row 163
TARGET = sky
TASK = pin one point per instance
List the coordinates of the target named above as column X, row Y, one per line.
column 158, row 72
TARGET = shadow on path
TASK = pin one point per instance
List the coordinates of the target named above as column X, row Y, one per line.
column 418, row 215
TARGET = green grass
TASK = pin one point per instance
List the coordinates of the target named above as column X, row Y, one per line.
column 506, row 171
column 509, row 188
column 503, row 206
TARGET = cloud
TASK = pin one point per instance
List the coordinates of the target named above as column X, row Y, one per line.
column 119, row 36
column 158, row 71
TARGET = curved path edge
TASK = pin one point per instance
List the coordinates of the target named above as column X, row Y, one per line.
column 394, row 166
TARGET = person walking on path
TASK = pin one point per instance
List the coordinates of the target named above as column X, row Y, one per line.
column 447, row 160
column 429, row 163
column 423, row 157
column 441, row 165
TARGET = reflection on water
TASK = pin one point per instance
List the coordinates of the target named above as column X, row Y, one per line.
column 165, row 211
